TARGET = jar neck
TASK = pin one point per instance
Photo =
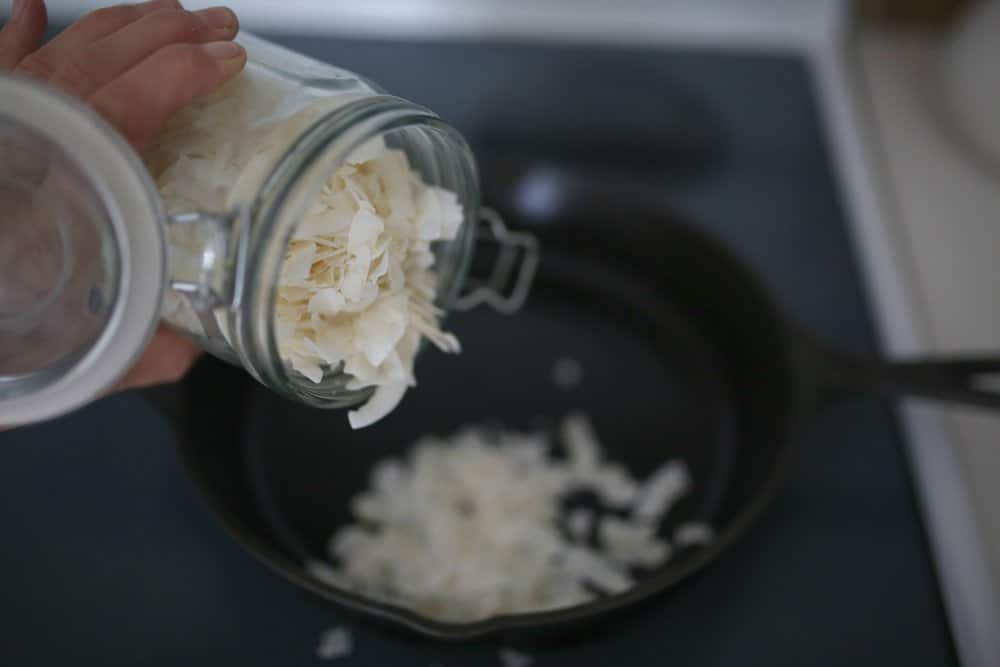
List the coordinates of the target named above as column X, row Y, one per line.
column 435, row 149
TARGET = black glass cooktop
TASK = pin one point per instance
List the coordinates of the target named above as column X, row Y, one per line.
column 108, row 556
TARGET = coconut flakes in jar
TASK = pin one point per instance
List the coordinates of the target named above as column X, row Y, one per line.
column 357, row 289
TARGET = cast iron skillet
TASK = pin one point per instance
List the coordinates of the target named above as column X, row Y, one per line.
column 684, row 355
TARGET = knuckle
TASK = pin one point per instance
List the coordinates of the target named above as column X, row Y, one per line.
column 177, row 26
column 188, row 59
column 74, row 77
column 111, row 17
column 36, row 66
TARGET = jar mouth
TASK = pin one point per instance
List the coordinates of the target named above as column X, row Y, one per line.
column 436, row 150
column 82, row 262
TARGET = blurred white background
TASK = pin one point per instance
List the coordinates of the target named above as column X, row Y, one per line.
column 739, row 22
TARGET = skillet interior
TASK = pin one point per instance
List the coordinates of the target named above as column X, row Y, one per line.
column 683, row 356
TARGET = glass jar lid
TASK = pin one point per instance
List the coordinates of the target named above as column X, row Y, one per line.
column 82, row 254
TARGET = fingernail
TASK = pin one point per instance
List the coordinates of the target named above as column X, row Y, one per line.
column 223, row 50
column 219, row 18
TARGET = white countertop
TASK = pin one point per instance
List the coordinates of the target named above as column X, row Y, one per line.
column 947, row 206
column 944, row 210
column 720, row 23
column 924, row 221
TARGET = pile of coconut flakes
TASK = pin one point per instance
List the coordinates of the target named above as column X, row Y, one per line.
column 476, row 525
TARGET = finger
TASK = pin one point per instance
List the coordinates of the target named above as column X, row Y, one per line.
column 141, row 100
column 103, row 22
column 23, row 33
column 167, row 359
column 99, row 63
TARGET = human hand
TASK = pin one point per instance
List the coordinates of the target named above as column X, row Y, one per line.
column 136, row 65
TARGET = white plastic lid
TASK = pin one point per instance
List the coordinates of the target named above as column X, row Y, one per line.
column 82, row 254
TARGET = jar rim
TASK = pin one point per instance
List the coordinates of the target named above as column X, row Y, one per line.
column 324, row 146
column 127, row 230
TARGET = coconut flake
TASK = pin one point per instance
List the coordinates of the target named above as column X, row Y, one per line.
column 694, row 534
column 580, row 523
column 581, row 443
column 596, row 570
column 380, row 328
column 308, row 367
column 632, row 543
column 511, row 658
column 368, row 151
column 329, row 301
column 659, row 494
column 365, row 228
column 440, row 214
column 326, row 574
column 614, row 484
column 335, row 643
column 298, row 262
column 567, row 373
column 357, row 272
column 383, row 401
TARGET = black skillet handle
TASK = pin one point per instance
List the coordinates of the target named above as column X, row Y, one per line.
column 829, row 375
column 958, row 380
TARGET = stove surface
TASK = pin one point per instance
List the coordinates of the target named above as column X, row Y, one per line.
column 109, row 557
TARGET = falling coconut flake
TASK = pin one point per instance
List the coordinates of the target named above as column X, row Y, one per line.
column 335, row 643
column 511, row 658
column 383, row 401
column 567, row 373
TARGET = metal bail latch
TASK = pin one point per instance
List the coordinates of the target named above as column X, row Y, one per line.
column 517, row 255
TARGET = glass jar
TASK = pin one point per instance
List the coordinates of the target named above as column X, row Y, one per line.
column 209, row 261
column 286, row 123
